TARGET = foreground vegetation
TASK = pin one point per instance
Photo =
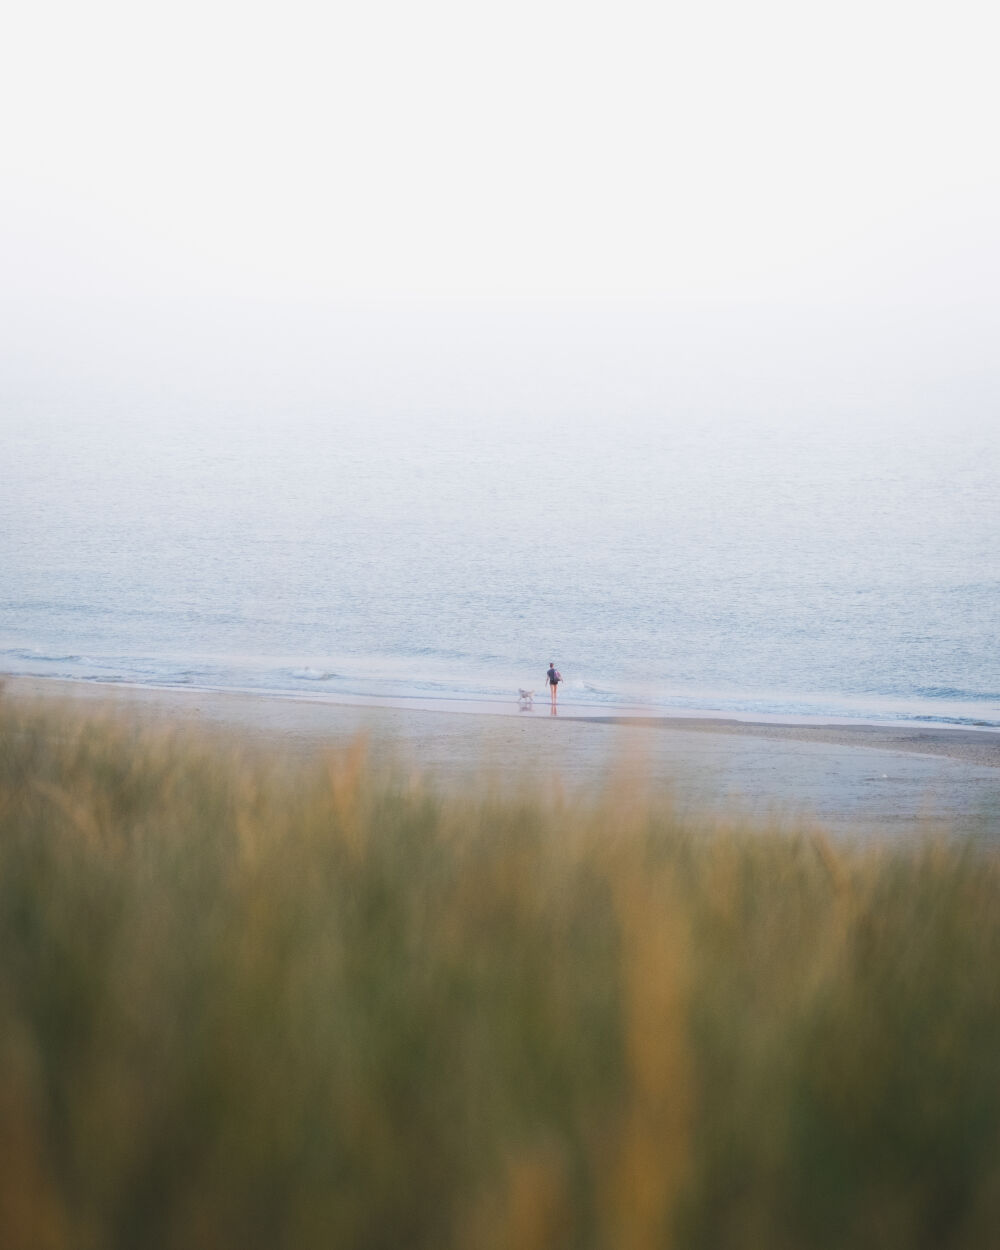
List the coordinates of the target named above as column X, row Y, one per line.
column 257, row 1002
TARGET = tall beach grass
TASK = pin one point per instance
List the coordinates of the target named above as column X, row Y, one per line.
column 255, row 1000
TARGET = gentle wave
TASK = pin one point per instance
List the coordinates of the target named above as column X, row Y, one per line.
column 40, row 657
column 962, row 696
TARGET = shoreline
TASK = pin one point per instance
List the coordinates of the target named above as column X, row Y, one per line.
column 855, row 779
column 973, row 744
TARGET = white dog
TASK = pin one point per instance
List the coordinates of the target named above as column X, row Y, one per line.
column 525, row 698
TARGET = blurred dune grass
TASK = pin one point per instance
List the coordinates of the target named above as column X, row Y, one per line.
column 254, row 999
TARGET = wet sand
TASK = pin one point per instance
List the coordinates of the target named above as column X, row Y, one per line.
column 852, row 778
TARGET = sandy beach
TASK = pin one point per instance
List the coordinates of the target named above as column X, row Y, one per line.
column 852, row 778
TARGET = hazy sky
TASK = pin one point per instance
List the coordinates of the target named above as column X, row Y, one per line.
column 655, row 193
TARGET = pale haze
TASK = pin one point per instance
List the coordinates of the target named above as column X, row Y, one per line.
column 665, row 330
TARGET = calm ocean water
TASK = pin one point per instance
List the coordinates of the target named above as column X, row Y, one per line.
column 773, row 567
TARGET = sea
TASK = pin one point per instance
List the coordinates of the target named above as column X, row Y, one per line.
column 793, row 566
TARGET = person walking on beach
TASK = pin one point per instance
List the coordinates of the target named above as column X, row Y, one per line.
column 552, row 679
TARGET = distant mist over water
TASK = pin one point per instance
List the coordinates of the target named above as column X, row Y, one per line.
column 399, row 350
